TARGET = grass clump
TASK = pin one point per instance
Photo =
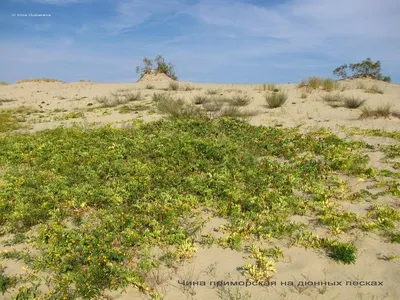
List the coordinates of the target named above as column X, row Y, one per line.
column 178, row 108
column 276, row 99
column 232, row 112
column 338, row 100
column 240, row 100
column 118, row 99
column 314, row 83
column 150, row 86
column 383, row 111
column 342, row 252
column 353, row 102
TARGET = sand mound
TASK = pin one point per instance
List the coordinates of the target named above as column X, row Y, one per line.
column 154, row 76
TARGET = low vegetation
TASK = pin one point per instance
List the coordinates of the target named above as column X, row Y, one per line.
column 119, row 98
column 38, row 80
column 339, row 100
column 269, row 87
column 315, row 83
column 276, row 99
column 73, row 177
column 240, row 100
column 383, row 111
column 70, row 115
column 8, row 121
column 3, row 83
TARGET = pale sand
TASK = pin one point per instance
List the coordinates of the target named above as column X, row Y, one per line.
column 299, row 264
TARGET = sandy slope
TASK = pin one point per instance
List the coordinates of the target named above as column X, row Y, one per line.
column 299, row 264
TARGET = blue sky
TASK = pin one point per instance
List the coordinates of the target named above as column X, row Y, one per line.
column 221, row 41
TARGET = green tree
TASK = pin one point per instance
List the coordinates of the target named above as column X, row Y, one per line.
column 162, row 67
column 365, row 69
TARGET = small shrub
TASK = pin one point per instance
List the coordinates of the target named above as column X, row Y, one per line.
column 3, row 83
column 276, row 99
column 303, row 96
column 150, row 87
